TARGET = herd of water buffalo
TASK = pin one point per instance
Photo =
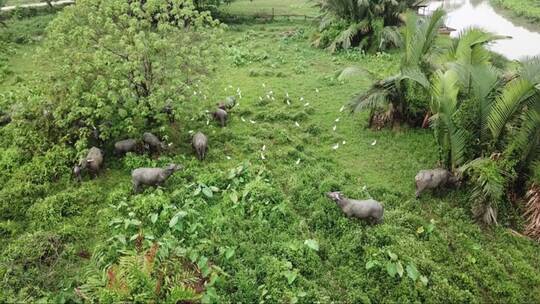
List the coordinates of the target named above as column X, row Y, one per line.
column 93, row 162
column 370, row 210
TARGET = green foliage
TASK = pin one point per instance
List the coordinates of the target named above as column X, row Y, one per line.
column 523, row 8
column 394, row 99
column 370, row 25
column 248, row 240
column 130, row 61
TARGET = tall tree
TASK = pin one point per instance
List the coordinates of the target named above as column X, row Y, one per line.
column 115, row 64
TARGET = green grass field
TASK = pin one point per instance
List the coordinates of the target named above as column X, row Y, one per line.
column 280, row 7
column 290, row 162
column 528, row 9
column 20, row 2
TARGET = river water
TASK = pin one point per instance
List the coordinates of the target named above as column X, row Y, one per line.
column 463, row 14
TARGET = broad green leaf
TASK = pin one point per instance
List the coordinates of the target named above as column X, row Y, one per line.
column 234, row 197
column 399, row 269
column 208, row 192
column 312, row 244
column 371, row 263
column 412, row 272
column 424, row 280
column 173, row 221
column 214, row 189
column 392, row 255
column 229, row 253
column 291, row 276
column 153, row 218
column 202, row 262
column 391, row 269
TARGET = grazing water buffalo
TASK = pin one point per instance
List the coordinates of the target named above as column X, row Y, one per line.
column 370, row 209
column 200, row 145
column 432, row 179
column 228, row 104
column 221, row 116
column 93, row 161
column 127, row 145
column 152, row 176
column 153, row 143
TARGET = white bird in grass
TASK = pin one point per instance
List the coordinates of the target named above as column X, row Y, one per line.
column 335, row 147
column 228, row 157
column 297, row 124
column 264, row 148
column 374, row 142
column 337, row 119
column 207, row 122
column 306, row 104
column 251, row 121
column 334, row 128
column 242, row 118
column 191, row 131
column 288, row 102
column 317, row 90
column 342, row 108
column 287, row 94
column 344, row 142
column 262, row 156
column 264, row 85
column 301, row 98
column 298, row 161
column 260, row 98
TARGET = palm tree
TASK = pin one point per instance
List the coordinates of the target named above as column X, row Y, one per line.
column 387, row 98
column 506, row 119
column 372, row 25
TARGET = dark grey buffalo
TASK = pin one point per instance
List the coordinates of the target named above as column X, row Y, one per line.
column 152, row 176
column 370, row 209
column 200, row 145
column 221, row 116
column 153, row 143
column 93, row 162
column 432, row 179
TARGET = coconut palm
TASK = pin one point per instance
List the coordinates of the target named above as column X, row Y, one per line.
column 387, row 99
column 372, row 25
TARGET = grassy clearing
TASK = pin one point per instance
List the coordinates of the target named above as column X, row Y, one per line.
column 282, row 203
column 20, row 2
column 281, row 7
column 529, row 9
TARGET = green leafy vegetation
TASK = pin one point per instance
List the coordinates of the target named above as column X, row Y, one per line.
column 251, row 222
column 369, row 25
column 529, row 9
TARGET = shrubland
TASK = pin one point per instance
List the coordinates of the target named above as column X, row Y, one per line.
column 250, row 223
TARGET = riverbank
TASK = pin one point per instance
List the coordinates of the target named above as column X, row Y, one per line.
column 529, row 9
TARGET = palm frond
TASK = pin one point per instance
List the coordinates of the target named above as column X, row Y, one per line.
column 513, row 96
column 468, row 48
column 373, row 99
column 416, row 75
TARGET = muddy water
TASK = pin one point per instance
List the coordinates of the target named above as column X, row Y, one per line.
column 463, row 14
